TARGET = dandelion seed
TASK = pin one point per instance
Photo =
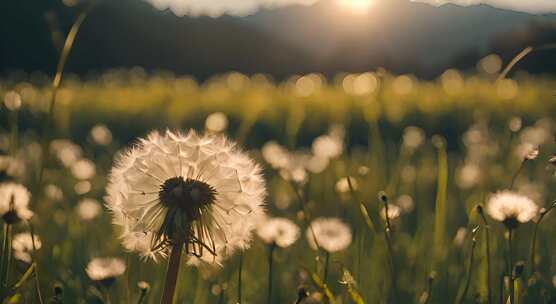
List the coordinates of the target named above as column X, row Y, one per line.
column 331, row 233
column 201, row 188
column 14, row 203
column 22, row 245
column 88, row 209
column 511, row 208
column 279, row 231
column 105, row 270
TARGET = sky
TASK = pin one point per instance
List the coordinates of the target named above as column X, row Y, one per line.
column 532, row 6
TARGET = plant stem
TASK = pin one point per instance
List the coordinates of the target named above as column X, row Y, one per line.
column 6, row 257
column 34, row 254
column 56, row 82
column 469, row 272
column 270, row 262
column 240, row 270
column 534, row 239
column 326, row 263
column 172, row 271
column 510, row 265
column 516, row 174
column 387, row 237
column 487, row 241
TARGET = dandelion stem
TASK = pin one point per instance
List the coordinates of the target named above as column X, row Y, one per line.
column 6, row 256
column 516, row 174
column 305, row 212
column 326, row 263
column 387, row 237
column 172, row 271
column 534, row 239
column 34, row 253
column 270, row 264
column 461, row 298
column 487, row 249
column 510, row 265
column 142, row 296
column 240, row 270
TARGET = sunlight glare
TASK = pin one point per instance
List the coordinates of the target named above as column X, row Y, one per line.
column 357, row 6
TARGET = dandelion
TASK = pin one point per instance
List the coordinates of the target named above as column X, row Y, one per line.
column 23, row 244
column 105, row 270
column 53, row 192
column 82, row 187
column 413, row 137
column 83, row 169
column 185, row 192
column 511, row 208
column 394, row 212
column 101, row 135
column 66, row 151
column 342, row 185
column 274, row 154
column 279, row 231
column 14, row 203
column 12, row 101
column 331, row 234
column 216, row 122
column 88, row 209
column 328, row 146
column 274, row 232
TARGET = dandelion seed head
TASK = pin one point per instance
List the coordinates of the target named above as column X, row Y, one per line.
column 83, row 169
column 511, row 208
column 53, row 192
column 216, row 122
column 394, row 211
column 12, row 101
column 331, row 234
column 66, row 151
column 199, row 187
column 405, row 202
column 413, row 137
column 342, row 185
column 101, row 269
column 82, row 187
column 279, row 231
column 22, row 245
column 88, row 209
column 328, row 146
column 274, row 154
column 101, row 135
column 14, row 203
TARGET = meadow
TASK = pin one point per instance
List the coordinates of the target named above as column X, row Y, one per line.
column 403, row 163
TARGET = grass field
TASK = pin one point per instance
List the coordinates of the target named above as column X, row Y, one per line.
column 436, row 148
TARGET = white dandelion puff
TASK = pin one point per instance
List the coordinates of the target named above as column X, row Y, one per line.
column 216, row 122
column 83, row 169
column 88, row 209
column 14, row 203
column 511, row 208
column 328, row 146
column 105, row 269
column 394, row 211
column 101, row 135
column 279, row 231
column 331, row 234
column 342, row 185
column 22, row 245
column 199, row 188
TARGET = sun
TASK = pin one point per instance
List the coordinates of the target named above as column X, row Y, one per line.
column 358, row 6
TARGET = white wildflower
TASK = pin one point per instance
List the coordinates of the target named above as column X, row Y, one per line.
column 14, row 203
column 279, row 231
column 511, row 208
column 22, row 245
column 105, row 269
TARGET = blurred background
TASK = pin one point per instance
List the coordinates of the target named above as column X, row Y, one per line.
column 326, row 36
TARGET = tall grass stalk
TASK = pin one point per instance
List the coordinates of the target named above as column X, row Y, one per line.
column 510, row 265
column 6, row 257
column 388, row 238
column 461, row 297
column 270, row 273
column 534, row 239
column 480, row 210
column 239, row 281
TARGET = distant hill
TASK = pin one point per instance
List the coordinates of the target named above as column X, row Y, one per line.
column 399, row 35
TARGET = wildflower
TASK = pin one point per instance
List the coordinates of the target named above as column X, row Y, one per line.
column 511, row 208
column 279, row 231
column 331, row 234
column 101, row 135
column 105, row 270
column 88, row 209
column 14, row 203
column 216, row 122
column 22, row 246
column 199, row 190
